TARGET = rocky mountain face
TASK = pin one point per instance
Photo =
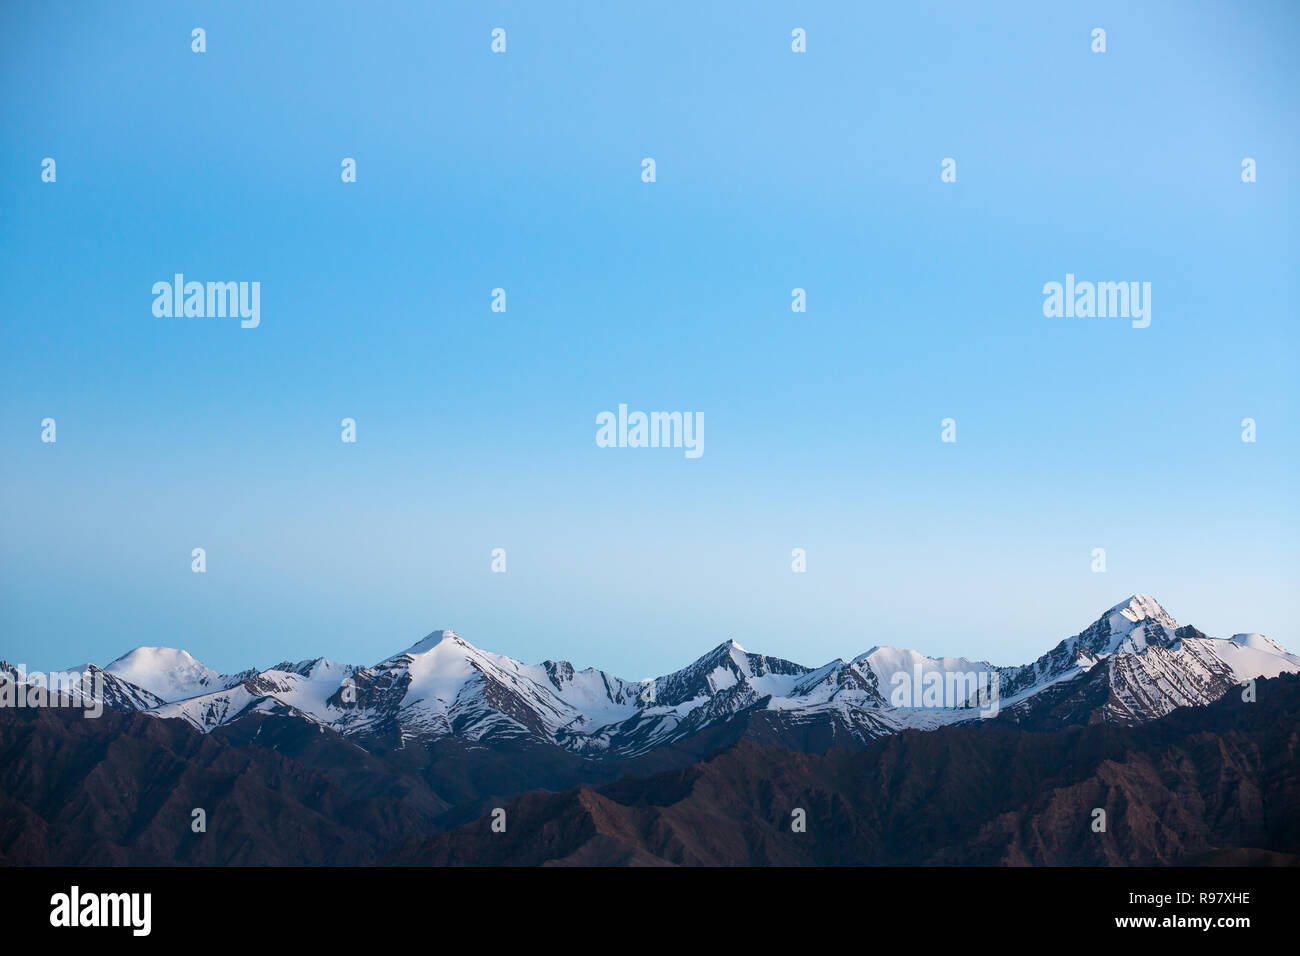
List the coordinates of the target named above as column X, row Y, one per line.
column 1216, row 784
column 122, row 790
column 1213, row 784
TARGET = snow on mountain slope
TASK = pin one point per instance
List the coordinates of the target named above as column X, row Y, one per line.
column 170, row 673
column 83, row 686
column 599, row 698
column 312, row 687
column 1270, row 650
column 728, row 667
column 209, row 711
column 726, row 681
column 1195, row 671
column 890, row 665
column 443, row 686
column 116, row 692
column 1130, row 627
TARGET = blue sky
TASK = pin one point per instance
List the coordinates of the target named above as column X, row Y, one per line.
column 476, row 429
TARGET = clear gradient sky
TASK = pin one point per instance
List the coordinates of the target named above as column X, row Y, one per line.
column 476, row 430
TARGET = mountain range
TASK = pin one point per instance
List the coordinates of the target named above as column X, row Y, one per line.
column 318, row 762
column 1133, row 664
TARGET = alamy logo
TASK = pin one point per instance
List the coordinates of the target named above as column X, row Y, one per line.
column 83, row 690
column 103, row 909
column 213, row 300
column 655, row 430
column 1086, row 300
column 946, row 689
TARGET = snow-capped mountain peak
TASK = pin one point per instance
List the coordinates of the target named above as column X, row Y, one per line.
column 1143, row 607
column 433, row 639
column 170, row 673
